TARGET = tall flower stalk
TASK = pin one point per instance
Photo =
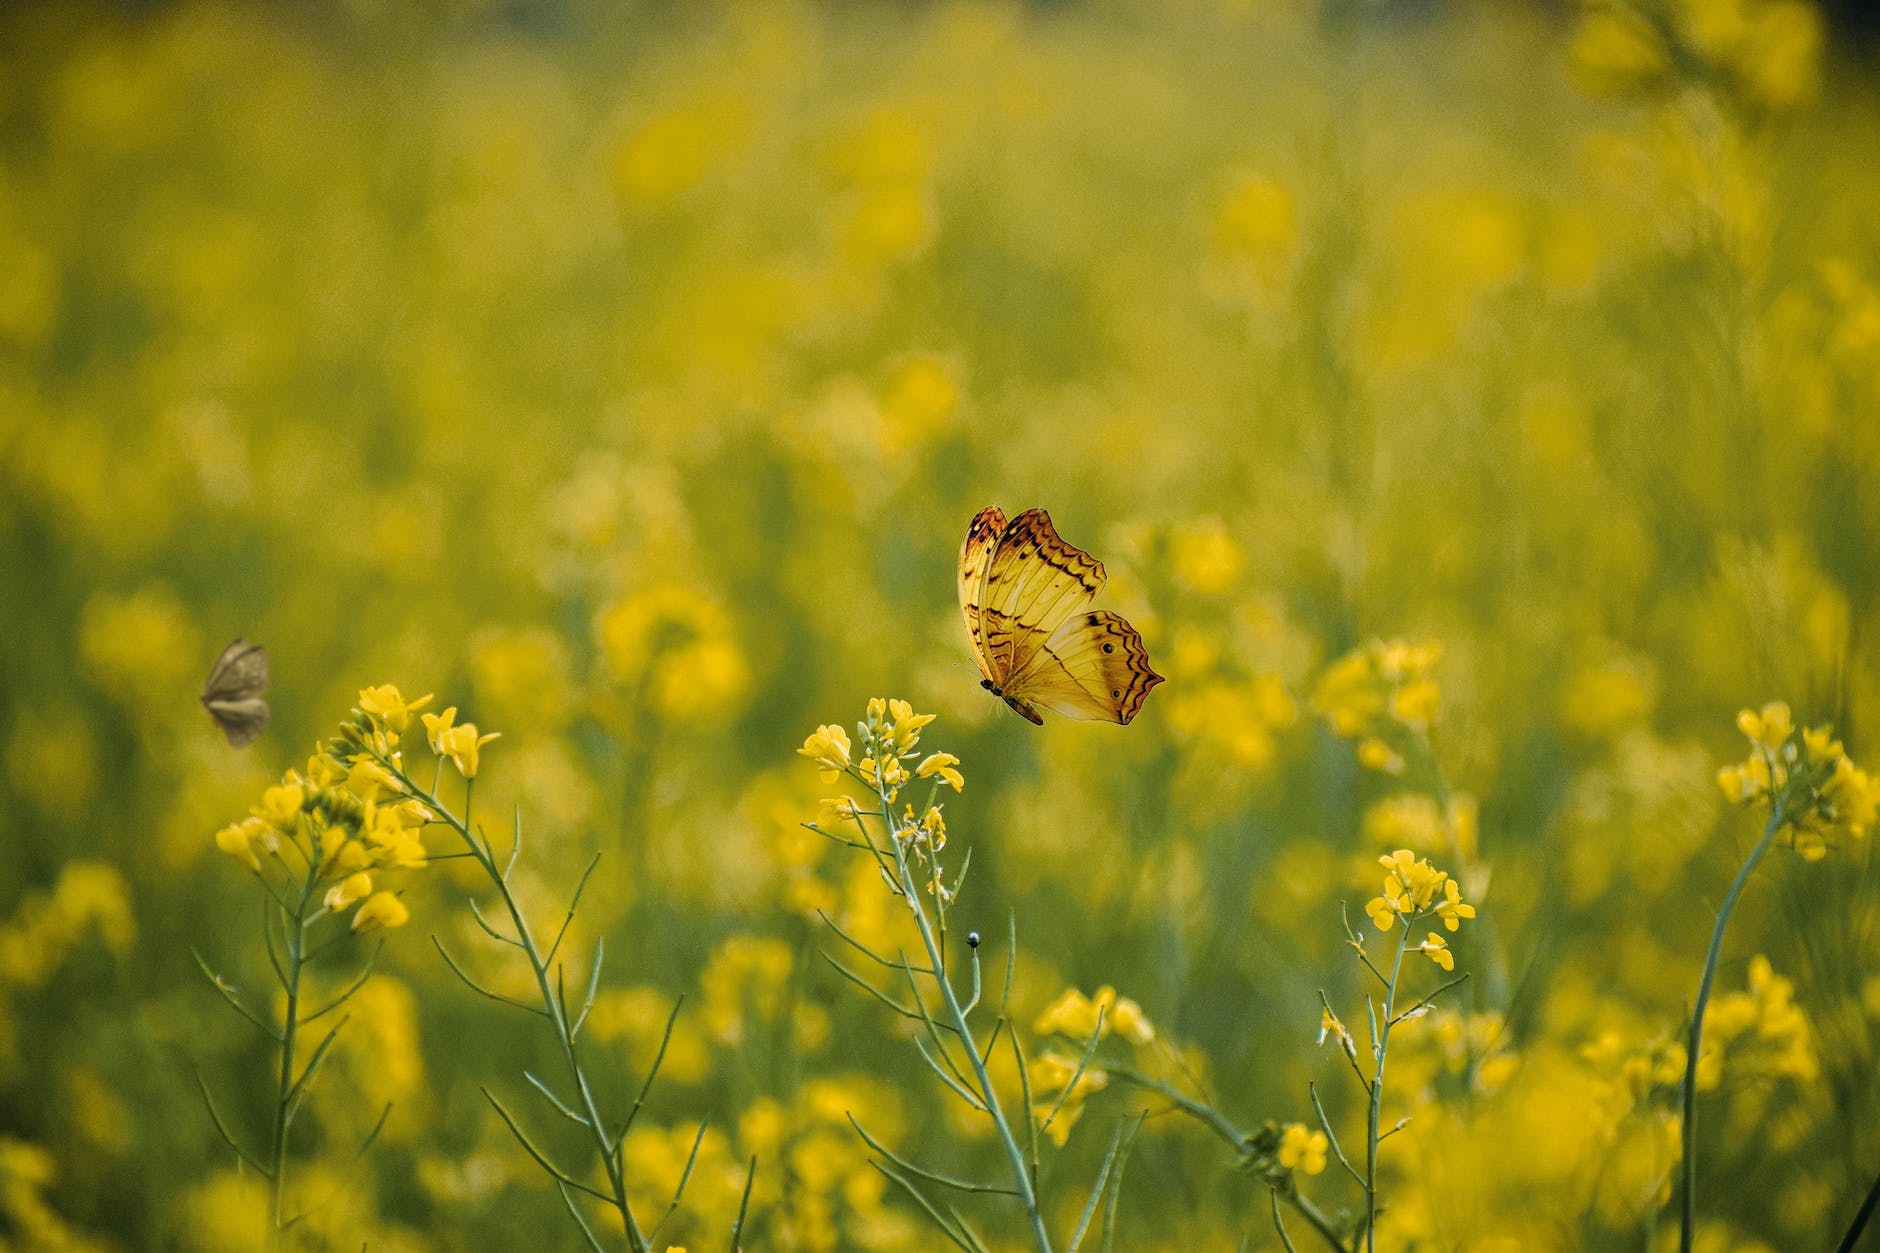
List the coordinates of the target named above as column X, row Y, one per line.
column 321, row 845
column 1817, row 798
column 907, row 848
column 372, row 738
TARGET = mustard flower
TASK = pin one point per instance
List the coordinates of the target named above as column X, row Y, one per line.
column 370, row 781
column 459, row 742
column 1825, row 795
column 1376, row 685
column 1301, row 1149
column 281, row 805
column 1436, row 948
column 382, row 909
column 904, row 725
column 389, row 707
column 941, row 764
column 348, row 892
column 238, row 840
column 1451, row 909
column 828, row 747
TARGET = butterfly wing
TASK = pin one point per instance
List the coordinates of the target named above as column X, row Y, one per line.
column 241, row 720
column 239, row 673
column 232, row 692
column 1093, row 668
column 1034, row 581
column 982, row 540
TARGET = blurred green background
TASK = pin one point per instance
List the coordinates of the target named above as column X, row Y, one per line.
column 627, row 374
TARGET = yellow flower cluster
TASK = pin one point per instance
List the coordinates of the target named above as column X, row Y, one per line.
column 1759, row 1033
column 1473, row 1050
column 1302, row 1149
column 750, row 975
column 349, row 814
column 822, row 1193
column 675, row 648
column 349, row 823
column 1824, row 795
column 889, row 737
column 1766, row 53
column 1377, row 693
column 1079, row 1017
column 1058, row 1091
column 1414, row 889
column 89, row 896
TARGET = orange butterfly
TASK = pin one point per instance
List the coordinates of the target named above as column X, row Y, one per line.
column 1026, row 596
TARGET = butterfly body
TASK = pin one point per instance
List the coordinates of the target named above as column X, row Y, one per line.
column 232, row 692
column 1026, row 595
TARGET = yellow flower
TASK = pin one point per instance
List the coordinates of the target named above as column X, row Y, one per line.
column 1436, row 948
column 1616, row 51
column 345, row 856
column 342, row 895
column 828, row 747
column 389, row 707
column 941, row 764
column 1416, row 704
column 905, row 725
column 1128, row 1021
column 1302, row 1150
column 382, row 909
column 457, row 741
column 1383, row 912
column 370, row 781
column 1821, row 746
column 835, row 811
column 889, row 775
column 281, row 805
column 238, row 841
column 1451, row 909
column 1375, row 754
column 1770, row 728
column 1072, row 1014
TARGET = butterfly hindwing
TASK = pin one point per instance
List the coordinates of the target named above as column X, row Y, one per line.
column 242, row 721
column 1094, row 668
column 1035, row 581
column 232, row 692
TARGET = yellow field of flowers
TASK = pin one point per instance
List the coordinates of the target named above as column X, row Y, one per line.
column 1476, row 407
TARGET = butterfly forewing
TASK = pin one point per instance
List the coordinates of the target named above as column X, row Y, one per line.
column 982, row 539
column 232, row 692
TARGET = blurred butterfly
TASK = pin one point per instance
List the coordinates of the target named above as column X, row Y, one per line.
column 1026, row 596
column 232, row 692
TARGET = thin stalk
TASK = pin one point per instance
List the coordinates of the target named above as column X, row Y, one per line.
column 295, row 941
column 1020, row 1175
column 1687, row 1216
column 1381, row 1029
column 556, row 1012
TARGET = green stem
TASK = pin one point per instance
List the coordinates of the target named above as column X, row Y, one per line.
column 1687, row 1218
column 295, row 939
column 1382, row 1047
column 1027, row 1193
column 611, row 1158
